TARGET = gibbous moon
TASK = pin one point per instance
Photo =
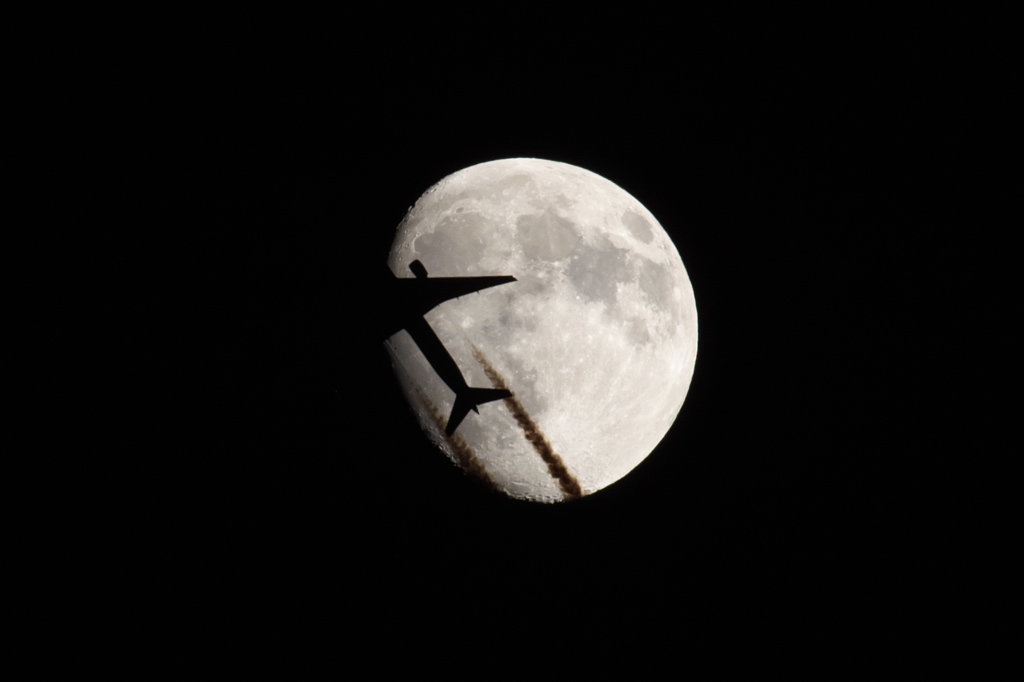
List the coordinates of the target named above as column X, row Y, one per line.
column 596, row 339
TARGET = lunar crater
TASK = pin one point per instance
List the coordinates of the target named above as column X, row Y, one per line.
column 546, row 236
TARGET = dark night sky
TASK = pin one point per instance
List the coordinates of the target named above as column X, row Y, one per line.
column 243, row 196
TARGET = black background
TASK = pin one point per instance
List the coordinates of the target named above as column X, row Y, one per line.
column 236, row 192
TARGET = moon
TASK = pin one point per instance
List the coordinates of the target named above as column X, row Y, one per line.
column 596, row 339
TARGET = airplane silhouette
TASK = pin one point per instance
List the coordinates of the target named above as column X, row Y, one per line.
column 413, row 299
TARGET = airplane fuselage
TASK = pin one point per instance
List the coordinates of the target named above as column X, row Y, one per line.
column 436, row 353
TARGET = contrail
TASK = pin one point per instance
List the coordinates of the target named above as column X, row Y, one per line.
column 556, row 467
column 464, row 455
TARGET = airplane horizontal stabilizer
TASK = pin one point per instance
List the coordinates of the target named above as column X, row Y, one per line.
column 468, row 399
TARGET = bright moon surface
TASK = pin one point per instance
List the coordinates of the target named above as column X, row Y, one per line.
column 596, row 339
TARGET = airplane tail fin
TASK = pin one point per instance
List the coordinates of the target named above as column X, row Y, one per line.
column 468, row 400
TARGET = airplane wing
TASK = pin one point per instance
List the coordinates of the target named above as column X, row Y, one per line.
column 411, row 298
column 423, row 295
